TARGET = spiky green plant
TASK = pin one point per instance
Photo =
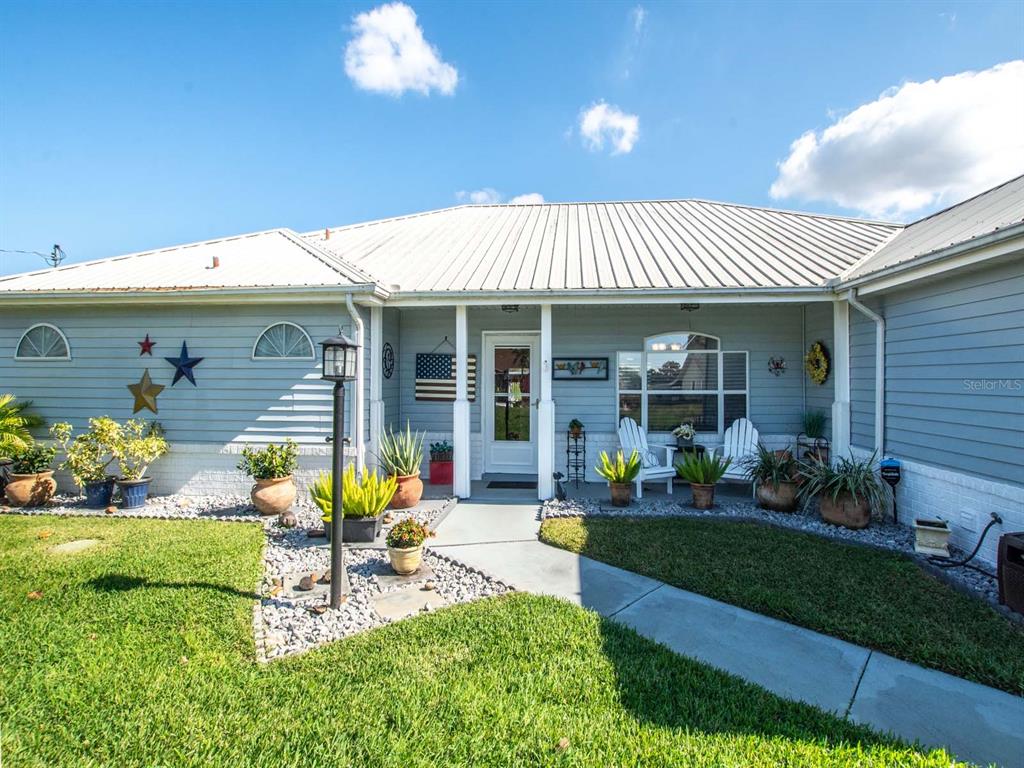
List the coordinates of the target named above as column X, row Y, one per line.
column 15, row 423
column 859, row 479
column 366, row 498
column 401, row 453
column 703, row 468
column 767, row 467
column 620, row 470
column 814, row 422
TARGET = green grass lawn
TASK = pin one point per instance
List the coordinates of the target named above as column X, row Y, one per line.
column 140, row 653
column 867, row 596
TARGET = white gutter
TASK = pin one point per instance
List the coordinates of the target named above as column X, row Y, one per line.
column 359, row 428
column 851, row 297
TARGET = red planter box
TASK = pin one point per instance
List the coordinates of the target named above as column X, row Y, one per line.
column 441, row 472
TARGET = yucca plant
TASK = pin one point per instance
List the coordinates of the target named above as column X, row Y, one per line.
column 621, row 470
column 401, row 453
column 359, row 499
column 15, row 423
column 768, row 467
column 703, row 468
column 858, row 479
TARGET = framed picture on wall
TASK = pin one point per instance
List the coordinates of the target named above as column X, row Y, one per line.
column 580, row 369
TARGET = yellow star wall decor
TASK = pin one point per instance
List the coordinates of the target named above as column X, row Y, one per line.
column 145, row 393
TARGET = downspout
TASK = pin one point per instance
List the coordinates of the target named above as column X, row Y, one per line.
column 357, row 404
column 851, row 297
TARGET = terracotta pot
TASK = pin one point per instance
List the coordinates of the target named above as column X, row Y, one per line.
column 703, row 495
column 779, row 498
column 845, row 511
column 409, row 493
column 622, row 494
column 406, row 561
column 273, row 496
column 30, row 490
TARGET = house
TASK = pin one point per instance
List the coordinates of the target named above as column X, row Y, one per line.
column 494, row 325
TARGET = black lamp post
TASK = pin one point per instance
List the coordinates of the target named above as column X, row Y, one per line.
column 339, row 366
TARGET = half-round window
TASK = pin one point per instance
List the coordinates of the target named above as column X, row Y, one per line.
column 43, row 342
column 283, row 341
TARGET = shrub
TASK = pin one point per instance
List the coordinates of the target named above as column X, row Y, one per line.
column 367, row 498
column 441, row 451
column 702, row 469
column 401, row 453
column 15, row 423
column 271, row 462
column 407, row 534
column 859, row 479
column 770, row 468
column 620, row 470
column 89, row 454
column 140, row 444
column 33, row 459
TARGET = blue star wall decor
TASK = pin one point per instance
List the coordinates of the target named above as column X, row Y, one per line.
column 183, row 365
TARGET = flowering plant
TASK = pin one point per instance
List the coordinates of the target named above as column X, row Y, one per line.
column 407, row 534
column 685, row 431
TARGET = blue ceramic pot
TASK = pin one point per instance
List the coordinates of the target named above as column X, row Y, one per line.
column 99, row 493
column 133, row 492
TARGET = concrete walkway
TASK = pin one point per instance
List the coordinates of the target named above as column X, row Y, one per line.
column 972, row 721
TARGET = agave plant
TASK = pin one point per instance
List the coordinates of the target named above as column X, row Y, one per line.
column 15, row 423
column 401, row 453
column 848, row 476
column 703, row 468
column 358, row 499
column 621, row 470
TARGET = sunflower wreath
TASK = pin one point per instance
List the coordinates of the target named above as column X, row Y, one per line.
column 817, row 362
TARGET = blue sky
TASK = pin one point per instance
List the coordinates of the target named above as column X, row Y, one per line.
column 125, row 127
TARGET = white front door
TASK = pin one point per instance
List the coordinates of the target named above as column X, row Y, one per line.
column 509, row 413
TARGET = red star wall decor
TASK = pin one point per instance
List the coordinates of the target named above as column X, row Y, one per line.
column 147, row 346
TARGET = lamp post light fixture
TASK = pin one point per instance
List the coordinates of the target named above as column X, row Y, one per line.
column 339, row 366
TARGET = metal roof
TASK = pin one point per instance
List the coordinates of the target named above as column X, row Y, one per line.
column 989, row 212
column 275, row 258
column 666, row 244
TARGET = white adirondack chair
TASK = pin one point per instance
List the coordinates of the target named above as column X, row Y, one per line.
column 631, row 438
column 740, row 442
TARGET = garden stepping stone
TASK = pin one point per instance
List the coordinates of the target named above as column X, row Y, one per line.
column 388, row 579
column 407, row 601
column 71, row 547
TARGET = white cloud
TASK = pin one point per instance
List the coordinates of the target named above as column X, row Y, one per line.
column 637, row 19
column 918, row 146
column 603, row 122
column 490, row 196
column 639, row 16
column 528, row 198
column 388, row 54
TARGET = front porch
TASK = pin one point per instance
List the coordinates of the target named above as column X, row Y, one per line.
column 502, row 382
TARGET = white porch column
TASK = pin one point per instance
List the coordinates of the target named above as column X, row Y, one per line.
column 841, row 379
column 376, row 382
column 461, row 476
column 545, row 412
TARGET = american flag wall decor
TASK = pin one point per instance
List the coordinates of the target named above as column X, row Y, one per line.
column 435, row 377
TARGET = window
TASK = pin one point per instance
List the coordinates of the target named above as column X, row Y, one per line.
column 682, row 378
column 43, row 342
column 283, row 341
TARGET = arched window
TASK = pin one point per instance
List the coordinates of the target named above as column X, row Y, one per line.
column 43, row 342
column 682, row 378
column 283, row 341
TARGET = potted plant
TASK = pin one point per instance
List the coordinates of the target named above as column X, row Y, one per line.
column 812, row 443
column 620, row 474
column 87, row 457
column 15, row 423
column 401, row 454
column 363, row 503
column 702, row 471
column 139, row 445
column 405, row 546
column 847, row 492
column 774, row 476
column 31, row 483
column 931, row 536
column 272, row 468
column 441, row 463
column 684, row 435
column 575, row 428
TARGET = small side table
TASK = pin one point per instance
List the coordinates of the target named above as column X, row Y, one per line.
column 700, row 450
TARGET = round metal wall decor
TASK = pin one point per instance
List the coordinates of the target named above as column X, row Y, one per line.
column 388, row 359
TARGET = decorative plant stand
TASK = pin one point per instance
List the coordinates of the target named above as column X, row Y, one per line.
column 575, row 457
column 807, row 447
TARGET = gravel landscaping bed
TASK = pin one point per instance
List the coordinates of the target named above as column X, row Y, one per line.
column 882, row 534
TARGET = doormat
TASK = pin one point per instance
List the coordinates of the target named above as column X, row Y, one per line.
column 509, row 485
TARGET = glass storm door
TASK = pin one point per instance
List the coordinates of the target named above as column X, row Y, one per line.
column 510, row 413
